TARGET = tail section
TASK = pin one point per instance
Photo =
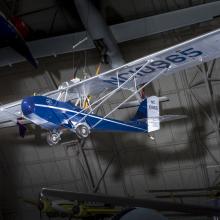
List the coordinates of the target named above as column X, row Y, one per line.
column 149, row 111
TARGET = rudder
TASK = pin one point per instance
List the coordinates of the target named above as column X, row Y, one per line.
column 153, row 113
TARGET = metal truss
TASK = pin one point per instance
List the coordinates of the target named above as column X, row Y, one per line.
column 210, row 113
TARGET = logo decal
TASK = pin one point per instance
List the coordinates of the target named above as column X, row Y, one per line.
column 175, row 59
column 49, row 101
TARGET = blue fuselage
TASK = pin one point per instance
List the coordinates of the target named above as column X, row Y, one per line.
column 56, row 115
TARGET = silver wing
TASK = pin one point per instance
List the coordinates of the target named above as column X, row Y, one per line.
column 148, row 68
column 9, row 114
column 131, row 75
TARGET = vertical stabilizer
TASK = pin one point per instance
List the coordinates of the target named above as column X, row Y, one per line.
column 142, row 111
column 149, row 111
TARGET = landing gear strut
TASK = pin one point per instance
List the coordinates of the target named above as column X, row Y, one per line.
column 53, row 138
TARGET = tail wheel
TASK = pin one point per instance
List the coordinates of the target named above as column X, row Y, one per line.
column 82, row 130
column 53, row 138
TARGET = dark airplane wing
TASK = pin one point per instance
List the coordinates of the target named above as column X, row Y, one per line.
column 133, row 202
column 12, row 37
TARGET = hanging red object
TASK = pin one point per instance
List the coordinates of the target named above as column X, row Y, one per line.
column 21, row 26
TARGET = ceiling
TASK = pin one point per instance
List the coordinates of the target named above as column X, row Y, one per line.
column 48, row 18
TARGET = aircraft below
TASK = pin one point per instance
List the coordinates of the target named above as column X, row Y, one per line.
column 73, row 105
column 55, row 203
column 151, row 206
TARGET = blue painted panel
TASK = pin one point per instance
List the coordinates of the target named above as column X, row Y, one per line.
column 53, row 114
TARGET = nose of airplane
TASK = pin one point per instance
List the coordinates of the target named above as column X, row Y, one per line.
column 27, row 106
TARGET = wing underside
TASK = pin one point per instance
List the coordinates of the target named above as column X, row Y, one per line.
column 9, row 114
column 145, row 70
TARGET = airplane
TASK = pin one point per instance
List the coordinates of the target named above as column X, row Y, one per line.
column 148, row 205
column 72, row 106
column 54, row 208
column 55, row 115
column 67, row 204
column 13, row 38
column 78, row 209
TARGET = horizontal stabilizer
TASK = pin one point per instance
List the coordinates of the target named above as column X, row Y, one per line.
column 166, row 118
column 130, row 104
column 136, row 103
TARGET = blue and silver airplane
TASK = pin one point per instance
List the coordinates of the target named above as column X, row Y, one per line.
column 56, row 115
column 64, row 108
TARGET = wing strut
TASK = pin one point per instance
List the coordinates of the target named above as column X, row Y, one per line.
column 120, row 86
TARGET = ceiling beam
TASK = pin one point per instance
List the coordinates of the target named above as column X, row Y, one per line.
column 122, row 32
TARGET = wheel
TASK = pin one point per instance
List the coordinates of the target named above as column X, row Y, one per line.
column 53, row 138
column 82, row 130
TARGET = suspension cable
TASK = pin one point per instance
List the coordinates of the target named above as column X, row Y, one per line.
column 107, row 96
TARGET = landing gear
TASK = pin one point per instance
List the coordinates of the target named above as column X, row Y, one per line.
column 151, row 137
column 82, row 130
column 53, row 138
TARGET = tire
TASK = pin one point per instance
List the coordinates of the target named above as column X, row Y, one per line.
column 82, row 130
column 53, row 138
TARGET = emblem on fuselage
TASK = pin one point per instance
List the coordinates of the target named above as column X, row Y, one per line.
column 49, row 101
